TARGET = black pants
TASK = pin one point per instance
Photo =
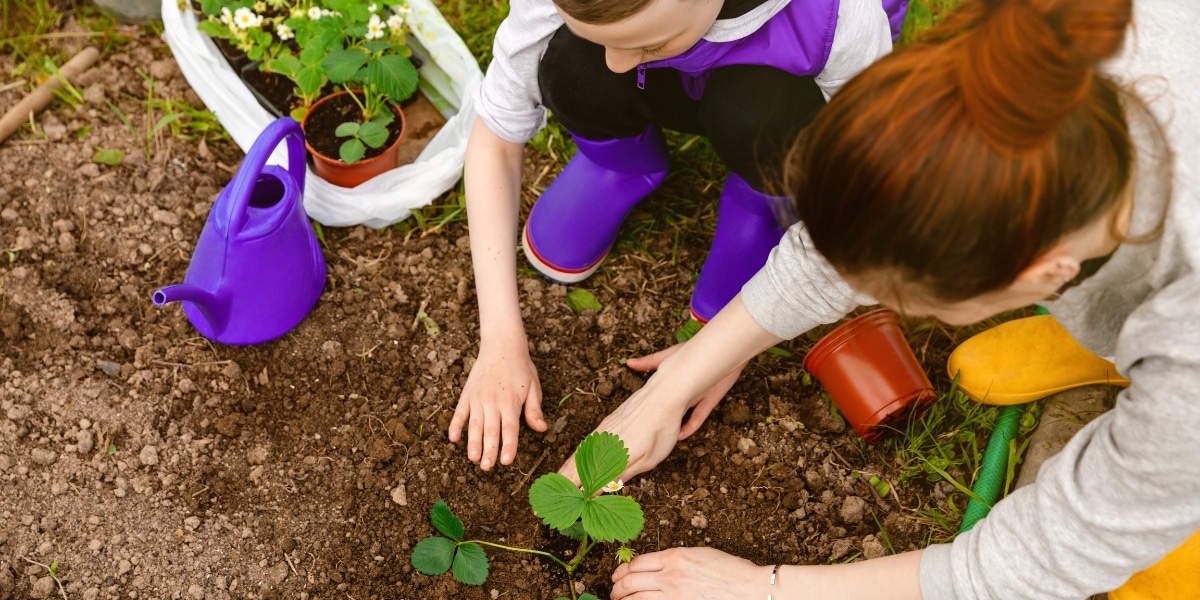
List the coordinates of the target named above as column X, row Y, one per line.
column 751, row 114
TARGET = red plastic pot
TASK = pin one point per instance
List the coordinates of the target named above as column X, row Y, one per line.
column 870, row 372
column 333, row 170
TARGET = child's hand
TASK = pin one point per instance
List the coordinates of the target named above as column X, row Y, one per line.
column 692, row 573
column 499, row 384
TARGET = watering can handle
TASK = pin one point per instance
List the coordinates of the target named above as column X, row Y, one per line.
column 256, row 159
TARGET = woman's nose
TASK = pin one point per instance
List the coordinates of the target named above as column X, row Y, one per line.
column 621, row 61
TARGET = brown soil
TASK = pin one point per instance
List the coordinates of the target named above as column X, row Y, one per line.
column 150, row 463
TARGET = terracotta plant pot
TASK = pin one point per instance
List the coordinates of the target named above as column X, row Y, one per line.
column 333, row 170
column 870, row 372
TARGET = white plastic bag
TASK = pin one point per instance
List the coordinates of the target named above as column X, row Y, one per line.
column 448, row 67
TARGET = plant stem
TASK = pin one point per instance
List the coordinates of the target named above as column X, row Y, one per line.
column 525, row 550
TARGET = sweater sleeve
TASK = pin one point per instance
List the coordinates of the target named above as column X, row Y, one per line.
column 798, row 289
column 863, row 34
column 509, row 100
column 1123, row 493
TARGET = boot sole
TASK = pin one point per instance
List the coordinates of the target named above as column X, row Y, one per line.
column 553, row 273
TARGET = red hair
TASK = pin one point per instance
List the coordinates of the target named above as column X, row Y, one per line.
column 956, row 162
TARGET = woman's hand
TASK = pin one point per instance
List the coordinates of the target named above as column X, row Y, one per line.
column 690, row 573
column 502, row 380
column 702, row 406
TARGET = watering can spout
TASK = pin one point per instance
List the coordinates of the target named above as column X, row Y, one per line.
column 213, row 305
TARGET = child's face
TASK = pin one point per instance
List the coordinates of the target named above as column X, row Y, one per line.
column 664, row 28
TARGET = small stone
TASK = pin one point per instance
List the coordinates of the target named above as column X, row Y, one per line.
column 186, row 386
column 258, row 455
column 400, row 495
column 841, row 548
column 164, row 70
column 58, row 488
column 699, row 521
column 192, row 523
column 53, row 128
column 42, row 588
column 123, row 567
column 852, row 510
column 148, row 455
column 196, row 592
column 94, row 95
column 5, row 462
column 43, row 456
column 873, row 548
column 110, row 368
column 165, row 217
column 85, row 441
column 494, row 593
column 278, row 573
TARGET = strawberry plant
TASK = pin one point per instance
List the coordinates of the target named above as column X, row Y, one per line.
column 573, row 511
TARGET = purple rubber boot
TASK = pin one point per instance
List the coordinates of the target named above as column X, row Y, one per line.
column 749, row 225
column 575, row 222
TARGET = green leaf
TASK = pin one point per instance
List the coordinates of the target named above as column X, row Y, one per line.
column 470, row 564
column 581, row 300
column 881, row 487
column 575, row 531
column 346, row 129
column 352, row 151
column 375, row 46
column 588, row 597
column 601, row 458
column 108, row 157
column 341, row 65
column 373, row 133
column 214, row 29
column 394, row 75
column 688, row 331
column 445, row 521
column 287, row 65
column 310, row 80
column 556, row 500
column 433, row 555
column 613, row 518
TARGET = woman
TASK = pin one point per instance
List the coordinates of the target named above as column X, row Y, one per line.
column 1005, row 161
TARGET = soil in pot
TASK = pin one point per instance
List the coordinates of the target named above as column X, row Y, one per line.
column 273, row 91
column 323, row 119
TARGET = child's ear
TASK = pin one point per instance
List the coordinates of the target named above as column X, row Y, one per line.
column 1050, row 271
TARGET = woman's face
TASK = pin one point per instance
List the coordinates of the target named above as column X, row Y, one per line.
column 661, row 30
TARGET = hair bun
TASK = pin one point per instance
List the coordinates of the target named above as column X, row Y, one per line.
column 1028, row 63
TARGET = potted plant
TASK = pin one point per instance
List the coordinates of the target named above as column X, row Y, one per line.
column 350, row 68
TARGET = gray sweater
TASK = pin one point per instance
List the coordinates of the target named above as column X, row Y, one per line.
column 1126, row 490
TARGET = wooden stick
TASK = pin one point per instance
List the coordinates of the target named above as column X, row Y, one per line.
column 41, row 97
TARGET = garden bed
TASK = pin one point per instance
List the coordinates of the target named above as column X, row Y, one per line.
column 148, row 462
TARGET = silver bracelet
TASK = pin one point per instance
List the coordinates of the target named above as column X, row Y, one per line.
column 774, row 572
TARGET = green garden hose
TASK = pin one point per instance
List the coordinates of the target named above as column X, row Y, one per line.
column 995, row 460
column 990, row 481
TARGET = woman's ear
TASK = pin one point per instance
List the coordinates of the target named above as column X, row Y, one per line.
column 1051, row 271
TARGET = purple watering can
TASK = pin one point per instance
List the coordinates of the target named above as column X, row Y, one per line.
column 257, row 269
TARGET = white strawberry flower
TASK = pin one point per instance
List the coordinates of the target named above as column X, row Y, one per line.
column 245, row 18
column 613, row 486
column 314, row 13
column 374, row 28
column 395, row 23
column 260, row 6
column 284, row 32
column 226, row 16
column 373, row 7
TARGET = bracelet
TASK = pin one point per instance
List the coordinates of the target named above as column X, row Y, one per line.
column 774, row 572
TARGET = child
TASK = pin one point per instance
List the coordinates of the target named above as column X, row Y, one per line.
column 1003, row 163
column 749, row 74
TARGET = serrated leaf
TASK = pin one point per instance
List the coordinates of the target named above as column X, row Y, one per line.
column 601, row 458
column 587, row 597
column 581, row 300
column 613, row 518
column 373, row 133
column 108, row 157
column 556, row 500
column 433, row 555
column 443, row 520
column 346, row 129
column 286, row 64
column 341, row 65
column 310, row 80
column 470, row 564
column 377, row 45
column 352, row 151
column 575, row 531
column 394, row 75
column 688, row 331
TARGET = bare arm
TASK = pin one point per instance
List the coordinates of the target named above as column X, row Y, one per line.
column 503, row 378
